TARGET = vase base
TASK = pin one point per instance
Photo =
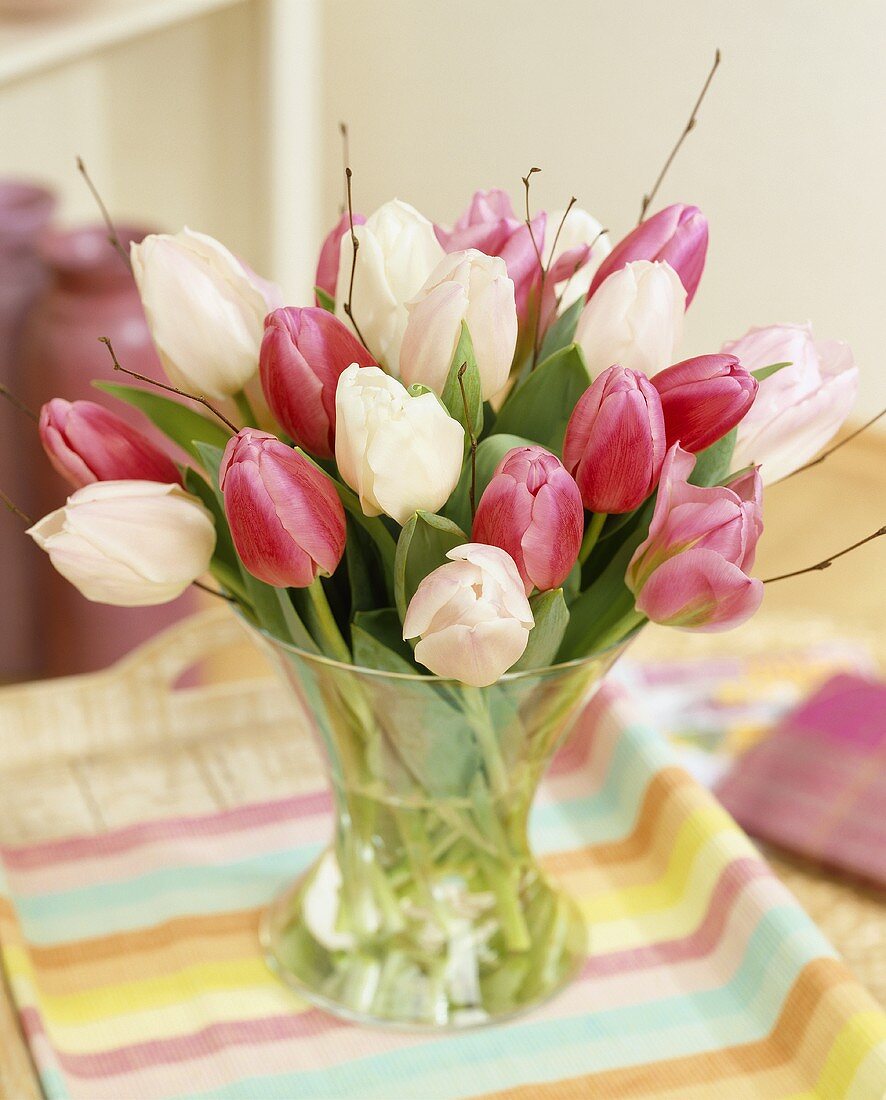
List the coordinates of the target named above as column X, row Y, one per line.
column 451, row 971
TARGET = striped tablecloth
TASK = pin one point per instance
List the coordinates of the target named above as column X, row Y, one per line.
column 133, row 959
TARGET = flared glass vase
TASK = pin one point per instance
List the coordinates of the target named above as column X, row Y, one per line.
column 429, row 909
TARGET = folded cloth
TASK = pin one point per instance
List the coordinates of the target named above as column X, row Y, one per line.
column 817, row 785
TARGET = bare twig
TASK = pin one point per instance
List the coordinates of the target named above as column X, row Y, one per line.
column 355, row 244
column 469, row 427
column 346, row 160
column 170, row 389
column 536, row 341
column 577, row 268
column 14, row 508
column 687, row 130
column 18, row 403
column 213, row 591
column 827, row 561
column 113, row 237
column 836, row 446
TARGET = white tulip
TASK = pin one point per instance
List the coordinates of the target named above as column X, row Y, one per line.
column 580, row 228
column 634, row 319
column 465, row 286
column 205, row 309
column 471, row 615
column 128, row 543
column 398, row 250
column 397, row 452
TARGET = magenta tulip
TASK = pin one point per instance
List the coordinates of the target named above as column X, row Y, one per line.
column 692, row 569
column 303, row 352
column 615, row 441
column 86, row 442
column 703, row 399
column 678, row 234
column 327, row 262
column 286, row 518
column 532, row 509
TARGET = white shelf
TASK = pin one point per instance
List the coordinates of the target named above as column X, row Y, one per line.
column 31, row 45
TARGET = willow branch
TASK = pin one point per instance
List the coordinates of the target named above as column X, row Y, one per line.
column 828, row 562
column 345, row 160
column 17, row 403
column 355, row 244
column 14, row 508
column 836, row 446
column 113, row 238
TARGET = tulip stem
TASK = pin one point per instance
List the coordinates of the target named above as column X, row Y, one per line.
column 827, row 561
column 17, row 403
column 113, row 238
column 591, row 535
column 170, row 389
column 469, row 428
column 687, row 130
column 14, row 508
column 244, row 407
column 213, row 591
column 837, row 446
column 326, row 624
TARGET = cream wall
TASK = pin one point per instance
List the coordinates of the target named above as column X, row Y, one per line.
column 788, row 160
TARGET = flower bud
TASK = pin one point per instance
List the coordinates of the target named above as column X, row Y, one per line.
column 678, row 235
column 205, row 310
column 532, row 509
column 635, row 319
column 303, row 352
column 615, row 441
column 464, row 286
column 128, row 543
column 703, row 399
column 471, row 615
column 397, row 252
column 86, row 442
column 800, row 407
column 397, row 452
column 691, row 571
column 286, row 519
column 330, row 253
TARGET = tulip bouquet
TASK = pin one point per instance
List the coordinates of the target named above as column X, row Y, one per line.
column 448, row 491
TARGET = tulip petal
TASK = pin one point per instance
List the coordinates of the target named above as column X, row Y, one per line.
column 477, row 655
column 698, row 590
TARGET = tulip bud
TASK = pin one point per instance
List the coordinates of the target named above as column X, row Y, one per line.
column 635, row 319
column 286, row 519
column 205, row 310
column 328, row 260
column 703, row 399
column 397, row 252
column 464, row 286
column 800, row 407
column 471, row 615
column 691, row 571
column 85, row 442
column 128, row 543
column 303, row 352
column 678, row 235
column 397, row 452
column 532, row 510
column 615, row 441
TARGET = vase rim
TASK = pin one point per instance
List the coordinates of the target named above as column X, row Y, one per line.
column 431, row 678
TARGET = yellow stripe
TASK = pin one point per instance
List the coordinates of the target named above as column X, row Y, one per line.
column 858, row 1036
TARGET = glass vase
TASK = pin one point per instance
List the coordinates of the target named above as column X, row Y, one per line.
column 429, row 909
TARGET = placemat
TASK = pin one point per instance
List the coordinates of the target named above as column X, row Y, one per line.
column 133, row 958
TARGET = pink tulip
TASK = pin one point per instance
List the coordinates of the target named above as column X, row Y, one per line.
column 491, row 226
column 677, row 234
column 703, row 399
column 327, row 262
column 691, row 571
column 532, row 509
column 286, row 518
column 86, row 442
column 615, row 441
column 303, row 352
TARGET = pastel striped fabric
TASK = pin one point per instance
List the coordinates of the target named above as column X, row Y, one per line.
column 134, row 963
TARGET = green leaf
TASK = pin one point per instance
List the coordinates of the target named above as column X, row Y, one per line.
column 561, row 333
column 183, row 426
column 712, row 464
column 472, row 419
column 551, row 620
column 377, row 638
column 326, row 301
column 225, row 565
column 540, row 407
column 767, row 372
column 366, row 580
column 374, row 528
column 489, row 453
column 423, row 545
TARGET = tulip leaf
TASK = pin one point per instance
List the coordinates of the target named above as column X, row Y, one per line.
column 489, row 453
column 182, row 425
column 225, row 565
column 539, row 407
column 766, row 372
column 424, row 542
column 324, row 300
column 467, row 407
column 551, row 620
column 366, row 581
column 377, row 639
column 374, row 528
column 712, row 464
column 561, row 333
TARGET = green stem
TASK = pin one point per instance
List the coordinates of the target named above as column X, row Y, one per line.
column 618, row 631
column 245, row 409
column 331, row 638
column 591, row 535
